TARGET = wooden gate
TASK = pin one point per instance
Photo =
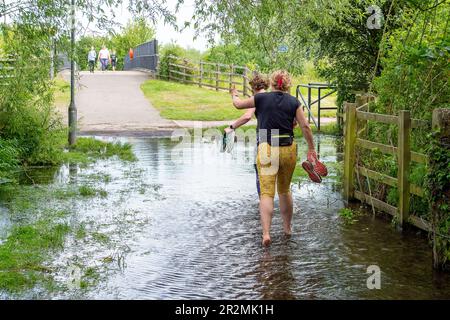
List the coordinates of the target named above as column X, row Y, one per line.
column 354, row 138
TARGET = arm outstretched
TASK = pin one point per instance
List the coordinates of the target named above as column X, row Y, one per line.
column 241, row 103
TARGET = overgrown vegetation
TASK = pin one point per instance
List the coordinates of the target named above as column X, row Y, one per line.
column 414, row 77
column 438, row 186
column 348, row 215
column 29, row 126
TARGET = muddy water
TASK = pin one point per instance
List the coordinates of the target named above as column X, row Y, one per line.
column 194, row 233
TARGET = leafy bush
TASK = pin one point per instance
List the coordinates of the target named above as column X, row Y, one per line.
column 27, row 116
column 9, row 155
column 164, row 58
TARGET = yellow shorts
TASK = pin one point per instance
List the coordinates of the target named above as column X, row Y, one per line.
column 276, row 165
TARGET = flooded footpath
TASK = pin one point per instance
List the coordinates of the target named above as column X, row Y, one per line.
column 169, row 227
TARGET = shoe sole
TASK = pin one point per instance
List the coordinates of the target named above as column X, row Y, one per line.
column 308, row 167
column 320, row 169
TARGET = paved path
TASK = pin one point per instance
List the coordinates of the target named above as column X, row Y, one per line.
column 113, row 103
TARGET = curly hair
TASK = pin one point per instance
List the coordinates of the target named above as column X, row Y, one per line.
column 281, row 80
column 259, row 82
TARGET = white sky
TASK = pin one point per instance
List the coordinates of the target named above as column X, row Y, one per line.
column 166, row 33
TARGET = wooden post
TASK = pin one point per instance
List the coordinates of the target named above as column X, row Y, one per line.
column 404, row 161
column 169, row 68
column 231, row 75
column 361, row 100
column 438, row 164
column 217, row 76
column 200, row 78
column 244, row 82
column 349, row 149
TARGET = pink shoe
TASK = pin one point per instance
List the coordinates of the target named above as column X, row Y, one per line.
column 318, row 166
column 309, row 168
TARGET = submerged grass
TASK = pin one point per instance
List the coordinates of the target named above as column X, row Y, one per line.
column 86, row 149
column 88, row 191
column 40, row 218
column 23, row 253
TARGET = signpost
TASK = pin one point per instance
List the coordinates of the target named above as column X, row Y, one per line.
column 283, row 48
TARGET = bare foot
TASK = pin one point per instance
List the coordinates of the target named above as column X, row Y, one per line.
column 266, row 240
column 287, row 231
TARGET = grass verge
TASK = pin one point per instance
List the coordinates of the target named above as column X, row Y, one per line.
column 178, row 101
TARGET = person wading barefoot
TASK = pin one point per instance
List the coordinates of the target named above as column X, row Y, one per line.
column 259, row 84
column 277, row 150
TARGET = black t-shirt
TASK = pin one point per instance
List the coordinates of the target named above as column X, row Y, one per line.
column 276, row 110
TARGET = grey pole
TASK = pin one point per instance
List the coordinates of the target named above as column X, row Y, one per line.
column 52, row 58
column 72, row 107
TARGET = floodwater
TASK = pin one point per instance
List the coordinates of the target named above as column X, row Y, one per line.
column 188, row 228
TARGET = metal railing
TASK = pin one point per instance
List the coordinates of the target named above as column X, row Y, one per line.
column 145, row 57
column 309, row 102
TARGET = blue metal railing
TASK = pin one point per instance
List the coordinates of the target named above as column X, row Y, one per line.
column 145, row 57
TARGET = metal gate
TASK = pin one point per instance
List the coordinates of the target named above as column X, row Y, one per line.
column 145, row 57
column 309, row 103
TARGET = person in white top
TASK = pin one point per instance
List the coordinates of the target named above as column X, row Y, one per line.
column 104, row 57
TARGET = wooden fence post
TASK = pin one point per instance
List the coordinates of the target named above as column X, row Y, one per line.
column 200, row 77
column 404, row 161
column 184, row 72
column 169, row 68
column 360, row 101
column 244, row 82
column 217, row 76
column 231, row 75
column 349, row 149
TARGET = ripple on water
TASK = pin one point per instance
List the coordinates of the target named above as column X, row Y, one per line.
column 202, row 238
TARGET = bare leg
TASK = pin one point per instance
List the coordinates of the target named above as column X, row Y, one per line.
column 286, row 209
column 266, row 211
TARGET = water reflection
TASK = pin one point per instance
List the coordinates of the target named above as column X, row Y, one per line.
column 274, row 275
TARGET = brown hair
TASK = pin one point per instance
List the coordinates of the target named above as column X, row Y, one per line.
column 259, row 82
column 281, row 80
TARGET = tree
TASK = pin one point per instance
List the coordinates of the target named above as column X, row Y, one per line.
column 29, row 126
column 332, row 32
column 98, row 14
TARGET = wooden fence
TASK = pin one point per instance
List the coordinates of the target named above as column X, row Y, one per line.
column 217, row 76
column 356, row 113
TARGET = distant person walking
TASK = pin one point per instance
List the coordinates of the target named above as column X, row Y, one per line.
column 92, row 57
column 104, row 57
column 113, row 60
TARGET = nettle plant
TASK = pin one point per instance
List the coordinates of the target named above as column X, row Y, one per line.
column 438, row 192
